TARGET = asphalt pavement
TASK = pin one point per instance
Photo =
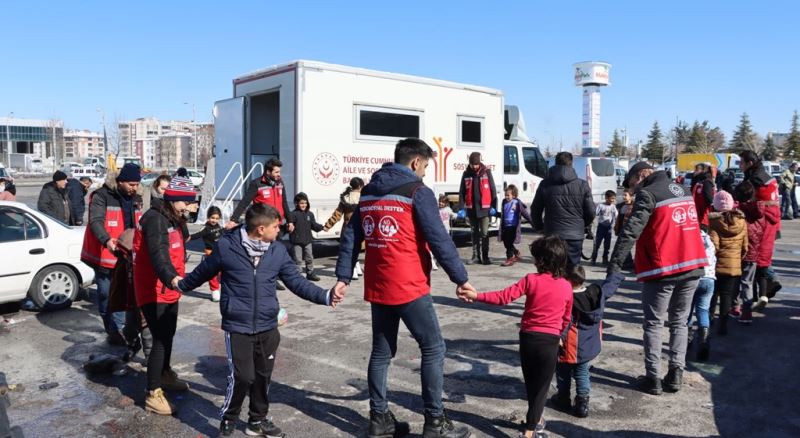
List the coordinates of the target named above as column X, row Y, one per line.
column 748, row 388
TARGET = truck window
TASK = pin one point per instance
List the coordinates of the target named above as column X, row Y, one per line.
column 602, row 167
column 470, row 131
column 534, row 162
column 511, row 161
column 386, row 123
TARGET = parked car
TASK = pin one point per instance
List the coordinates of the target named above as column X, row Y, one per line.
column 196, row 177
column 41, row 258
column 148, row 178
column 4, row 173
column 597, row 171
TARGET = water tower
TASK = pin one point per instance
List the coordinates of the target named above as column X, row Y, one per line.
column 591, row 75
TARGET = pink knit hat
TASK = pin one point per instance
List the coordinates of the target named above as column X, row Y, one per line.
column 723, row 201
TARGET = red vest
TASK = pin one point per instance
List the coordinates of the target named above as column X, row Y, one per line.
column 95, row 253
column 703, row 208
column 397, row 264
column 671, row 242
column 485, row 190
column 148, row 287
column 271, row 195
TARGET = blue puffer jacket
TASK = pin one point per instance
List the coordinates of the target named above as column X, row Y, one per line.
column 248, row 301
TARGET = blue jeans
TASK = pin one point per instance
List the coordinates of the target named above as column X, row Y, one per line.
column 574, row 250
column 602, row 235
column 420, row 318
column 701, row 303
column 786, row 202
column 580, row 371
column 112, row 322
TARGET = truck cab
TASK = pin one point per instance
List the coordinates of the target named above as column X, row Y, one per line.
column 523, row 164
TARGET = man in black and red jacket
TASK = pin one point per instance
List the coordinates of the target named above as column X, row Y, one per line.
column 269, row 190
column 478, row 200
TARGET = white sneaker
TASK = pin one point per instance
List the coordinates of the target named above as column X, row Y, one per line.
column 359, row 271
column 215, row 296
column 355, row 274
column 434, row 267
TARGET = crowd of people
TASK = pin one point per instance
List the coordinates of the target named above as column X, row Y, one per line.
column 712, row 244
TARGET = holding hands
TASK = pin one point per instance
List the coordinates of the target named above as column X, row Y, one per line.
column 337, row 293
column 466, row 293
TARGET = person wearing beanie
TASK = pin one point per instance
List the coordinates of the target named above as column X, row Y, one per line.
column 113, row 208
column 728, row 232
column 477, row 196
column 53, row 200
column 158, row 264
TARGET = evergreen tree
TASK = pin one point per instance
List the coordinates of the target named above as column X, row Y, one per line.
column 616, row 148
column 792, row 146
column 744, row 138
column 698, row 139
column 682, row 136
column 653, row 150
column 770, row 152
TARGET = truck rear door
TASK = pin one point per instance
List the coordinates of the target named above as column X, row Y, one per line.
column 229, row 144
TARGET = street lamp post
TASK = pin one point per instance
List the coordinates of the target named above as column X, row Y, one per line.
column 194, row 135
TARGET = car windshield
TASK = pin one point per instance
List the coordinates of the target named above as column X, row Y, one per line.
column 3, row 172
column 602, row 167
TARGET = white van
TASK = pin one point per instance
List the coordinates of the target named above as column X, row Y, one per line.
column 523, row 163
column 599, row 172
column 329, row 123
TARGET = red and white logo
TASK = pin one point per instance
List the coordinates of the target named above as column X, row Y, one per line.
column 692, row 212
column 325, row 168
column 368, row 225
column 679, row 216
column 388, row 226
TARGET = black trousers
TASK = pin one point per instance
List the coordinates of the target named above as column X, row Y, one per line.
column 538, row 354
column 509, row 235
column 250, row 359
column 726, row 287
column 162, row 319
column 760, row 283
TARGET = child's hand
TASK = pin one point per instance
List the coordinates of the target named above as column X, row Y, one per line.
column 466, row 293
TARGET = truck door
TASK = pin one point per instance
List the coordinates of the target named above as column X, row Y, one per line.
column 536, row 168
column 511, row 173
column 229, row 144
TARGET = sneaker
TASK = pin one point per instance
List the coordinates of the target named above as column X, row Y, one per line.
column 746, row 318
column 760, row 304
column 434, row 266
column 581, row 409
column 157, row 403
column 509, row 262
column 773, row 287
column 385, row 425
column 226, row 427
column 311, row 276
column 443, row 427
column 561, row 402
column 736, row 311
column 171, row 382
column 215, row 295
column 650, row 385
column 673, row 380
column 263, row 428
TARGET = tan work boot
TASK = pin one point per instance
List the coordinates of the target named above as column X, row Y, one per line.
column 157, row 403
column 170, row 381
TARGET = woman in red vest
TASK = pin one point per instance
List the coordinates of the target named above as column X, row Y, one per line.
column 478, row 199
column 158, row 264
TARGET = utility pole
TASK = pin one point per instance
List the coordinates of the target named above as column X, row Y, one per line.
column 8, row 139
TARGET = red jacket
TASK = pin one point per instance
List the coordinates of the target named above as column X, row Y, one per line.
column 767, row 198
column 158, row 256
column 548, row 302
column 105, row 204
column 755, row 229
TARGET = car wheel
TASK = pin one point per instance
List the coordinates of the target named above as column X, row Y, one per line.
column 54, row 288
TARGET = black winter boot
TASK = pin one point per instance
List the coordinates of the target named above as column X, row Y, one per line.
column 561, row 401
column 443, row 427
column 704, row 346
column 485, row 251
column 311, row 276
column 476, row 249
column 773, row 286
column 581, row 408
column 673, row 380
column 386, row 425
column 650, row 385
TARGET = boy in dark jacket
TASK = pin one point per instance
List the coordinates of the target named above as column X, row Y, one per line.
column 301, row 238
column 250, row 310
column 210, row 233
column 582, row 340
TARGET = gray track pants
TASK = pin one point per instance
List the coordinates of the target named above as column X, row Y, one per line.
column 672, row 299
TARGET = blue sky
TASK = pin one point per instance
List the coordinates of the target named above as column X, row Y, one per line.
column 694, row 60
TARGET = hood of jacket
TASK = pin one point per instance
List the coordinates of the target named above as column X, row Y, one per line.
column 655, row 178
column 717, row 223
column 562, row 174
column 388, row 178
column 470, row 172
column 757, row 175
column 350, row 198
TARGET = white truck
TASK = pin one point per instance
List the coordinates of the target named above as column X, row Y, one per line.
column 328, row 123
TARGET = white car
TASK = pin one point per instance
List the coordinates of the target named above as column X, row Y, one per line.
column 196, row 177
column 41, row 258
